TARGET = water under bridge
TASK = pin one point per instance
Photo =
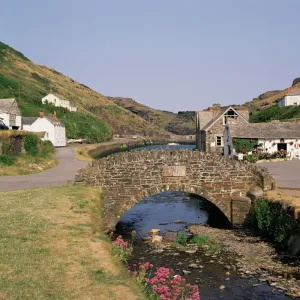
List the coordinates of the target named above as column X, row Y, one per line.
column 127, row 178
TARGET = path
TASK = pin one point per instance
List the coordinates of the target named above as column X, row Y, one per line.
column 286, row 173
column 57, row 176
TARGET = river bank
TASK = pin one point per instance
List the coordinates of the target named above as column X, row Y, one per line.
column 255, row 257
column 241, row 266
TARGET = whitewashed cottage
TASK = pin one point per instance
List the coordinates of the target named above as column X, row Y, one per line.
column 271, row 137
column 292, row 97
column 59, row 101
column 54, row 130
column 10, row 114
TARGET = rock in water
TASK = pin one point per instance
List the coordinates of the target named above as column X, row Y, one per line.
column 186, row 272
column 194, row 266
column 156, row 239
column 170, row 237
column 154, row 231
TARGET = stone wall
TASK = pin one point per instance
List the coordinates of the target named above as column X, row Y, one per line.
column 127, row 178
column 217, row 129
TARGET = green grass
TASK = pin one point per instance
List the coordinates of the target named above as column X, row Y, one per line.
column 206, row 240
column 275, row 112
column 47, row 254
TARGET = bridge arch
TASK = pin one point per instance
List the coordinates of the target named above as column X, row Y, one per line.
column 127, row 178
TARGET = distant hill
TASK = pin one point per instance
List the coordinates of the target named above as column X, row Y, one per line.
column 264, row 108
column 97, row 118
column 182, row 123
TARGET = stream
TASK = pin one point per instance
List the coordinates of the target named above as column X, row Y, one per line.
column 160, row 211
column 172, row 212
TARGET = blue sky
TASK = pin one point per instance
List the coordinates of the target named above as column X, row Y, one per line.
column 168, row 54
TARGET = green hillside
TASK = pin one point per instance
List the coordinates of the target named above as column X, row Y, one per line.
column 182, row 123
column 264, row 108
column 97, row 117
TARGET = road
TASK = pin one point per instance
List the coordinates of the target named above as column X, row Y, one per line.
column 286, row 173
column 57, row 176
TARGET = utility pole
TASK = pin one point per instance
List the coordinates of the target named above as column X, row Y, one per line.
column 198, row 132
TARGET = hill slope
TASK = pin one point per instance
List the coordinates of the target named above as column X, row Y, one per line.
column 182, row 123
column 97, row 116
column 264, row 108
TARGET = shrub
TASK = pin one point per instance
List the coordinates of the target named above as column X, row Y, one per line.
column 244, row 145
column 274, row 221
column 47, row 148
column 251, row 158
column 181, row 238
column 31, row 144
column 7, row 160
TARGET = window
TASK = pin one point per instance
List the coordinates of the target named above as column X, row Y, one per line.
column 229, row 115
column 219, row 141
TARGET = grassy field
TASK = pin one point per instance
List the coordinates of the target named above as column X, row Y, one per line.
column 25, row 164
column 52, row 247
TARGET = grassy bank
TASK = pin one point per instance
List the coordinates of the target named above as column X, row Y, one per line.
column 24, row 153
column 275, row 220
column 52, row 247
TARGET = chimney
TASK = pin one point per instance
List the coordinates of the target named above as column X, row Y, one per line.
column 41, row 114
column 216, row 109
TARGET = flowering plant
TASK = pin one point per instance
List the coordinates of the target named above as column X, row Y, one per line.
column 121, row 248
column 163, row 284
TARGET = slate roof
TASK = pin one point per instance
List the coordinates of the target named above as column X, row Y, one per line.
column 54, row 121
column 275, row 130
column 28, row 120
column 223, row 110
column 7, row 106
column 61, row 97
column 293, row 92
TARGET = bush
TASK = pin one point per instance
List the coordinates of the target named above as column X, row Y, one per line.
column 181, row 238
column 31, row 144
column 47, row 148
column 244, row 145
column 251, row 158
column 7, row 160
column 274, row 221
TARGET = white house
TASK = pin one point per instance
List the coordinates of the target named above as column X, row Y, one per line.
column 291, row 98
column 10, row 113
column 271, row 137
column 59, row 101
column 54, row 130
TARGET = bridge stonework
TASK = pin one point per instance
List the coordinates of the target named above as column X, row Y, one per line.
column 127, row 178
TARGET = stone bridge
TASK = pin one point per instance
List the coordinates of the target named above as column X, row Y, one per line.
column 127, row 178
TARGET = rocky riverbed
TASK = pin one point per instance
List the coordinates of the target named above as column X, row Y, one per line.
column 256, row 258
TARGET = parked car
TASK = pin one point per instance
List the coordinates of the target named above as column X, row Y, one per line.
column 3, row 126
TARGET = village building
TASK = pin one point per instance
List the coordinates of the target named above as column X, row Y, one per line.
column 292, row 97
column 59, row 101
column 210, row 126
column 270, row 137
column 10, row 114
column 53, row 129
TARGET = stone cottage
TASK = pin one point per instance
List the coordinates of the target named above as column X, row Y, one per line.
column 10, row 114
column 210, row 124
